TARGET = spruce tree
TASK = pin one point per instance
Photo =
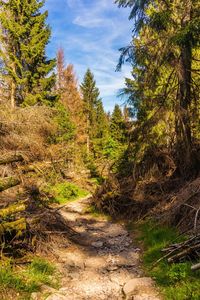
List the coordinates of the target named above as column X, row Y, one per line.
column 117, row 125
column 23, row 37
column 101, row 121
column 101, row 130
column 165, row 57
column 90, row 94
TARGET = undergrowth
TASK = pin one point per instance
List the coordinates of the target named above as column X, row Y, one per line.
column 24, row 281
column 177, row 281
column 65, row 192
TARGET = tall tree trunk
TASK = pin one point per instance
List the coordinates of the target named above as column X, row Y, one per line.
column 184, row 137
column 185, row 92
column 12, row 94
column 88, row 135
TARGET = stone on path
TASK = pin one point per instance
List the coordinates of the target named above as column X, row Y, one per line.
column 136, row 285
column 56, row 297
column 35, row 296
column 98, row 244
column 145, row 297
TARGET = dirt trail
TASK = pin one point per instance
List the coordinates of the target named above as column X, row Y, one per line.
column 105, row 266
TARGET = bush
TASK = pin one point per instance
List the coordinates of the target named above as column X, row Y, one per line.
column 64, row 192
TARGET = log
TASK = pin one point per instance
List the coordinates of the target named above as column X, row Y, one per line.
column 18, row 226
column 12, row 209
column 11, row 158
column 8, row 182
column 195, row 267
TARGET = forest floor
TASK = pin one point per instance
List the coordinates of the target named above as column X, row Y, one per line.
column 103, row 264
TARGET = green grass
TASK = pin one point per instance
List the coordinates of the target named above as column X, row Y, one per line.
column 176, row 281
column 27, row 280
column 65, row 192
column 92, row 209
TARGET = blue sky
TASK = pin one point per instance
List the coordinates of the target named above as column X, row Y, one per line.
column 91, row 32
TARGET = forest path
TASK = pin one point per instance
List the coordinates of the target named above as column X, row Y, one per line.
column 104, row 264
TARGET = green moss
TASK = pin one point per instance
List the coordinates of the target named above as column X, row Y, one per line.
column 176, row 281
column 65, row 192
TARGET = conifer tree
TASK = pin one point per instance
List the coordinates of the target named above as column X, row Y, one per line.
column 90, row 94
column 117, row 125
column 23, row 38
column 102, row 127
column 164, row 54
column 101, row 130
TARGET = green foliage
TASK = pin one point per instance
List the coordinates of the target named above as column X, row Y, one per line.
column 40, row 272
column 97, row 121
column 66, row 129
column 176, row 281
column 178, row 272
column 28, row 279
column 163, row 43
column 40, row 265
column 89, row 92
column 111, row 149
column 117, row 125
column 24, row 36
column 92, row 167
column 10, row 280
column 65, row 192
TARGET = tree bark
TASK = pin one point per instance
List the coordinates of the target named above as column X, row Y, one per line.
column 18, row 226
column 183, row 128
column 195, row 267
column 10, row 159
column 12, row 95
column 12, row 209
column 8, row 182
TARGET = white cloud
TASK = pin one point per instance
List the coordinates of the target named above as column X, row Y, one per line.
column 88, row 23
column 91, row 33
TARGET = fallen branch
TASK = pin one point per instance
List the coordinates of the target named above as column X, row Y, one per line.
column 195, row 221
column 183, row 253
column 194, row 240
column 11, row 159
column 8, row 182
column 12, row 209
column 18, row 226
column 195, row 267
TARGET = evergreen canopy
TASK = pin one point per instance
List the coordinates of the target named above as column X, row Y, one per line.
column 24, row 35
column 164, row 53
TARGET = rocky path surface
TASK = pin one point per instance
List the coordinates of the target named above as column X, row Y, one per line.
column 105, row 264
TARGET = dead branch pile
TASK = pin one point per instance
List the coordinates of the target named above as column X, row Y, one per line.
column 182, row 208
column 188, row 250
column 48, row 229
column 30, row 159
column 26, row 130
column 27, row 223
column 149, row 192
column 32, row 226
column 115, row 197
